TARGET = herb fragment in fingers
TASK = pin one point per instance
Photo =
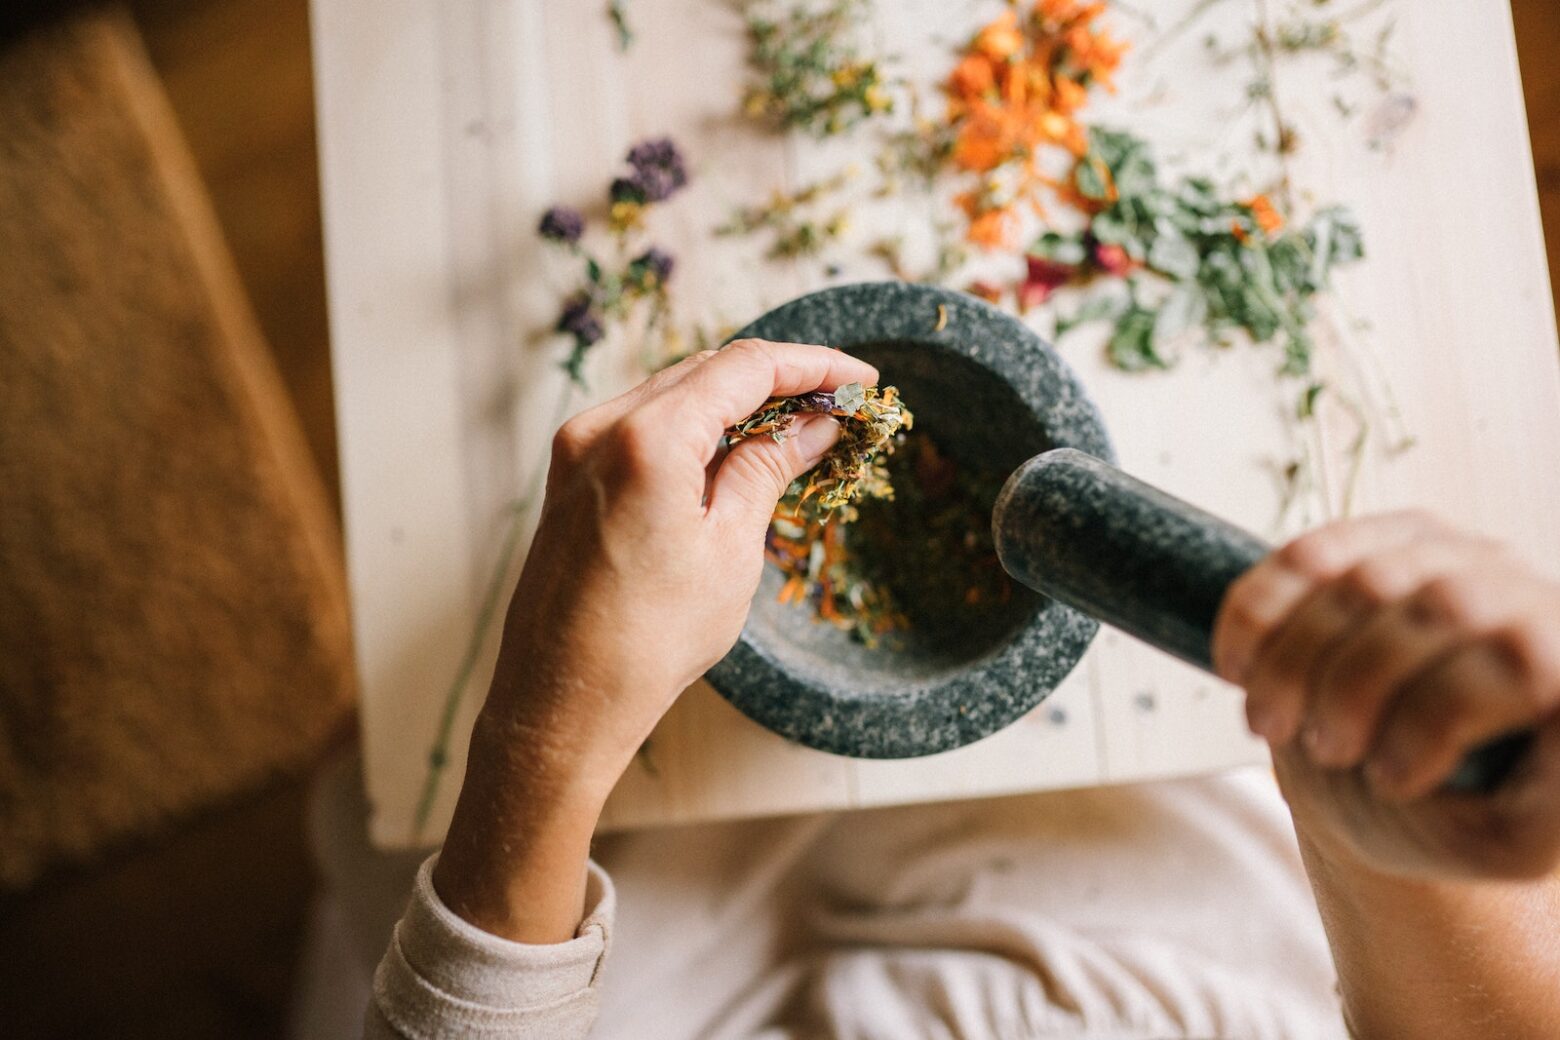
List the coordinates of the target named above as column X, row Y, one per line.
column 806, row 533
column 870, row 423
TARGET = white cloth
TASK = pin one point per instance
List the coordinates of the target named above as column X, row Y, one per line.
column 1164, row 910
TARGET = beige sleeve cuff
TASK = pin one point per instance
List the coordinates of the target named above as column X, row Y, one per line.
column 442, row 976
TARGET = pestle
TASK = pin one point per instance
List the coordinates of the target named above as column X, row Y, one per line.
column 1082, row 532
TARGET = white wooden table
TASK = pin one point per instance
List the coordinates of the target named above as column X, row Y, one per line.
column 447, row 126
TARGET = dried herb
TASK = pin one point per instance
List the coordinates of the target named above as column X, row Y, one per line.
column 870, row 422
column 920, row 559
column 807, row 72
column 1190, row 259
column 797, row 222
column 635, row 277
column 1017, row 91
column 617, row 14
column 927, row 553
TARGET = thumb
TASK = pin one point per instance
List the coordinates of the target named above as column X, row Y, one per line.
column 756, row 472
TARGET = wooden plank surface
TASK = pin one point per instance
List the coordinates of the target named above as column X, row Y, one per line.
column 448, row 127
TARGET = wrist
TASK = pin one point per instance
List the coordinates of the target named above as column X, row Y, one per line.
column 515, row 857
column 573, row 725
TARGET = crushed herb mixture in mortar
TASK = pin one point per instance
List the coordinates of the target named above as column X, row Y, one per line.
column 887, row 534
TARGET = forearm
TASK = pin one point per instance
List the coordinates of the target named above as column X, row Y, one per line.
column 515, row 859
column 1457, row 961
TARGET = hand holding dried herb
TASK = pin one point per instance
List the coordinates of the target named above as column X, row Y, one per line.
column 870, row 422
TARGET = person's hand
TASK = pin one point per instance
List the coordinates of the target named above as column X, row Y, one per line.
column 649, row 549
column 646, row 557
column 1376, row 653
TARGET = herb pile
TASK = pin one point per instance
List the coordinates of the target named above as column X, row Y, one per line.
column 806, row 71
column 1187, row 259
column 636, row 277
column 1016, row 94
column 871, row 421
column 927, row 553
column 844, row 531
column 807, row 539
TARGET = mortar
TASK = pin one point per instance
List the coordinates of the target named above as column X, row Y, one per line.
column 993, row 393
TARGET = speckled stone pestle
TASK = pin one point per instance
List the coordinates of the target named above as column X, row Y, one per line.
column 1080, row 531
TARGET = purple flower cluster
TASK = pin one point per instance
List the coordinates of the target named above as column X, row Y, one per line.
column 561, row 224
column 652, row 267
column 580, row 320
column 659, row 172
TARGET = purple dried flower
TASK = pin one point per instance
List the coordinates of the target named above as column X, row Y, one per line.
column 561, row 224
column 654, row 265
column 659, row 170
column 579, row 319
column 627, row 189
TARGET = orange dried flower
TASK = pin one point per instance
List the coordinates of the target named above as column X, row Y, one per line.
column 990, row 229
column 1267, row 216
column 973, row 77
column 1001, row 37
column 1018, row 88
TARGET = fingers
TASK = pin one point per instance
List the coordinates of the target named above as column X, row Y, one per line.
column 1262, row 598
column 592, row 422
column 756, row 472
column 1283, row 684
column 1492, row 684
column 743, row 375
column 682, row 411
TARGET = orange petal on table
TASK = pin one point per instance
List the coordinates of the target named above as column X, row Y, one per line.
column 1001, row 37
column 1057, row 10
column 1070, row 95
column 980, row 146
column 973, row 76
column 989, row 229
column 1266, row 215
column 1077, row 141
column 1055, row 125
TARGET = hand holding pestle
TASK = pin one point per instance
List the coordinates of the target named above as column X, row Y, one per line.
column 1084, row 533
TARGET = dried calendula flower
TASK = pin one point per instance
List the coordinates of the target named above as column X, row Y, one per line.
column 871, row 419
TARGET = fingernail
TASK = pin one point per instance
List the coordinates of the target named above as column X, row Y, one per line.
column 815, row 437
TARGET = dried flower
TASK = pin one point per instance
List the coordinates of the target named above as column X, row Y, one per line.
column 1017, row 89
column 870, row 420
column 651, row 268
column 1265, row 214
column 1113, row 259
column 580, row 320
column 1043, row 277
column 985, row 291
column 659, row 170
column 561, row 224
